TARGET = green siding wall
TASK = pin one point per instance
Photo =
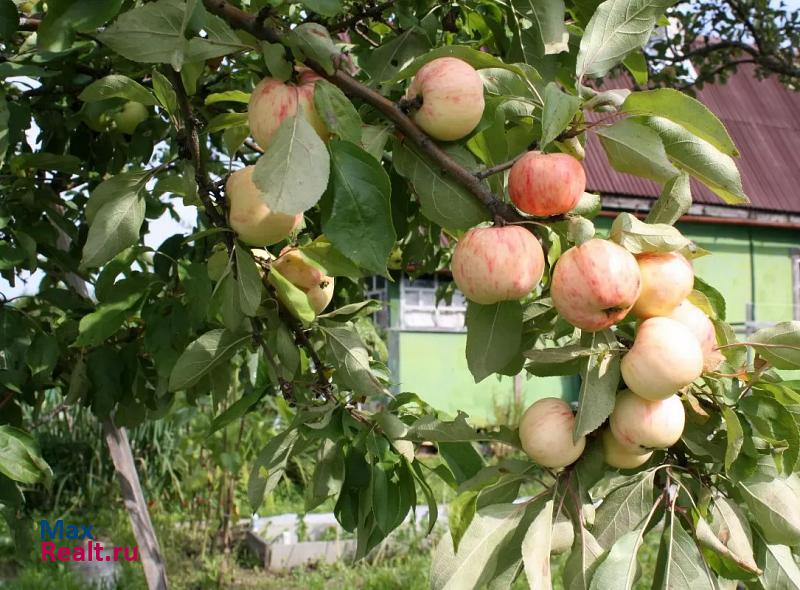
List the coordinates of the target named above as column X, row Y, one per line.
column 433, row 365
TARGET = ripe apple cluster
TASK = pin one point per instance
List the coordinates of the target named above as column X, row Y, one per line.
column 271, row 102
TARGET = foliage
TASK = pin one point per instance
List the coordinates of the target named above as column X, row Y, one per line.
column 123, row 328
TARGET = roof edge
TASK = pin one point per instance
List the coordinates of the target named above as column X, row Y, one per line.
column 698, row 212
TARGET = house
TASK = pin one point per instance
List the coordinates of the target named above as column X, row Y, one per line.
column 755, row 259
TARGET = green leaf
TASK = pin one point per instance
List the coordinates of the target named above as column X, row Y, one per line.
column 774, row 423
column 227, row 121
column 9, row 19
column 727, row 541
column 701, row 159
column 236, row 410
column 313, row 41
column 293, row 173
column 634, row 148
column 674, row 201
column 780, row 569
column 336, row 110
column 620, row 567
column 636, row 63
column 374, row 138
column 680, row 563
column 357, row 212
column 347, row 353
column 566, row 360
column 228, row 96
column 494, row 334
column 478, row 551
column 117, row 86
column 248, row 281
column 352, row 311
column 64, row 17
column 382, row 63
column 735, row 435
column 536, row 549
column 156, row 32
column 431, row 428
column 547, row 32
column 321, row 253
column 774, row 506
column 42, row 356
column 96, row 327
column 714, row 297
column 443, row 200
column 557, row 113
column 623, row 509
column 269, row 466
column 4, row 116
column 324, row 7
column 46, row 161
column 116, row 226
column 616, row 28
column 203, row 355
column 779, row 344
column 293, row 298
column 460, row 513
column 638, row 237
column 132, row 182
column 599, row 381
column 20, row 459
column 583, row 561
column 166, row 95
column 477, row 59
column 684, row 110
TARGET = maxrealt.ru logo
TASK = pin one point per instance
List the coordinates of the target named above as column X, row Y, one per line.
column 87, row 549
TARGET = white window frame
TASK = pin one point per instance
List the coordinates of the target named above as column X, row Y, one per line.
column 378, row 288
column 437, row 312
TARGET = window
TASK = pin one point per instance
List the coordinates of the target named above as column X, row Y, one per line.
column 378, row 288
column 796, row 282
column 418, row 309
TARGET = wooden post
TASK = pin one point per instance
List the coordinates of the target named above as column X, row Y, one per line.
column 149, row 549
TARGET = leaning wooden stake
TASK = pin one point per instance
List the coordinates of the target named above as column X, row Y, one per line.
column 149, row 550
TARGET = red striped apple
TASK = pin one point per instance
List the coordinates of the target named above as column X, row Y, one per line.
column 545, row 431
column 272, row 101
column 620, row 456
column 667, row 279
column 546, row 184
column 595, row 284
column 641, row 425
column 701, row 326
column 317, row 286
column 249, row 216
column 452, row 98
column 664, row 358
column 492, row 264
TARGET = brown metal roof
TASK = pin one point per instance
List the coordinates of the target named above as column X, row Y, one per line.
column 763, row 118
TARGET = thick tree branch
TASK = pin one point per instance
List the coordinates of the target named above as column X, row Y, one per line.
column 241, row 20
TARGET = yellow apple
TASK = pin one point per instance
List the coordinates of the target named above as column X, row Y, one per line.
column 620, row 456
column 249, row 216
column 640, row 425
column 667, row 279
column 545, row 431
column 665, row 357
column 452, row 98
column 701, row 326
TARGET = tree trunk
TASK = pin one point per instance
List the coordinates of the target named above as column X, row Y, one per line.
column 149, row 549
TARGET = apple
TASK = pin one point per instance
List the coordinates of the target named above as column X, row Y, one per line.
column 562, row 536
column 128, row 118
column 546, row 184
column 618, row 455
column 272, row 101
column 492, row 264
column 664, row 358
column 701, row 326
column 667, row 279
column 249, row 215
column 452, row 98
column 545, row 431
column 317, row 286
column 640, row 425
column 595, row 284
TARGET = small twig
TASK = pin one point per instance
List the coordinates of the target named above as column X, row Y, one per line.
column 253, row 146
column 481, row 174
column 373, row 11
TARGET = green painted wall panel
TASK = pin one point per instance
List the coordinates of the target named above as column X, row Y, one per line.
column 433, row 365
